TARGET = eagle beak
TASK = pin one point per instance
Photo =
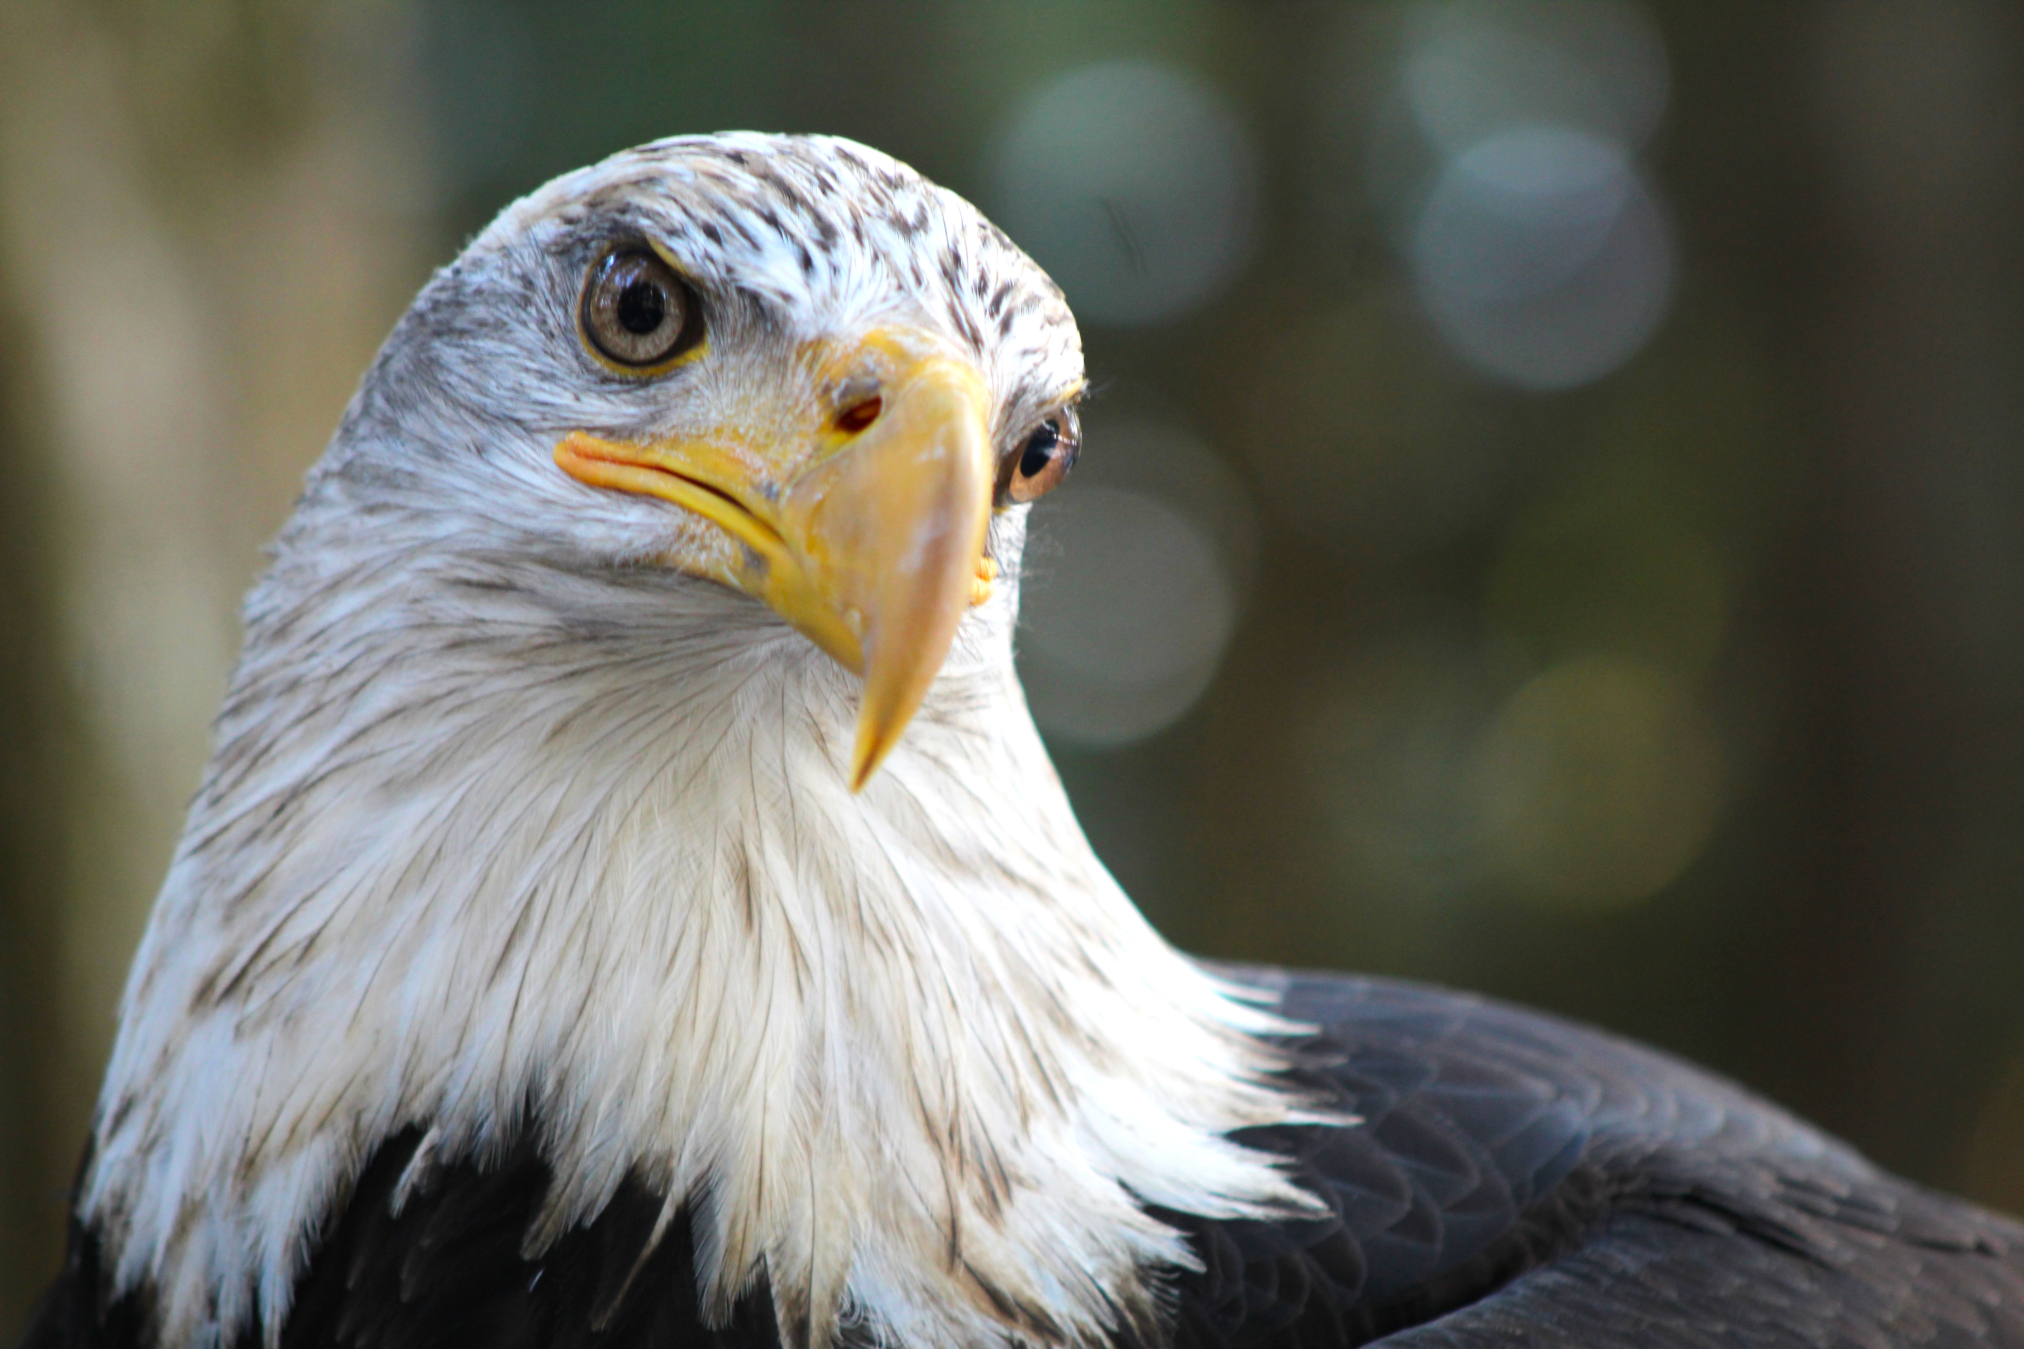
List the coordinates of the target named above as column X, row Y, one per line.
column 869, row 540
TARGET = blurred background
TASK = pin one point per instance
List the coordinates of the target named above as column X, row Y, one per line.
column 1552, row 518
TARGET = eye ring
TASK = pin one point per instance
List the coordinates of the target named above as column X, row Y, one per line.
column 636, row 313
column 1042, row 458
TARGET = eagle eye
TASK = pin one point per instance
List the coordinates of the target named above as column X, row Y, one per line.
column 1036, row 465
column 637, row 312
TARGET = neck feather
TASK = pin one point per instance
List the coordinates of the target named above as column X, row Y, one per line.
column 463, row 864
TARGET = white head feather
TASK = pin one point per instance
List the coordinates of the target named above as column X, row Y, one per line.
column 507, row 830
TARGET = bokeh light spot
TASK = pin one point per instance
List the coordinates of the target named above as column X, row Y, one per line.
column 1504, row 159
column 1601, row 782
column 1473, row 69
column 1151, row 597
column 1543, row 258
column 1134, row 580
column 1520, row 214
column 1134, row 185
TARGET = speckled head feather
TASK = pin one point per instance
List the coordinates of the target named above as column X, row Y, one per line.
column 509, row 827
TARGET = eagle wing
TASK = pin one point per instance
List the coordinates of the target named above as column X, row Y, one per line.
column 1519, row 1180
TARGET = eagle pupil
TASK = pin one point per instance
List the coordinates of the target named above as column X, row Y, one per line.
column 642, row 308
column 1039, row 449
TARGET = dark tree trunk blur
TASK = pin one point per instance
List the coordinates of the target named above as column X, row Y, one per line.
column 34, row 1162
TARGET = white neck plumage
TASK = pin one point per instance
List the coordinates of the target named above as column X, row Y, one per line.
column 924, row 1058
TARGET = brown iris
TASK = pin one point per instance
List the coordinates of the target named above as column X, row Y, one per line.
column 1036, row 466
column 637, row 312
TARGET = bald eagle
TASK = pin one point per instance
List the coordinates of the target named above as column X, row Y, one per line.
column 629, row 903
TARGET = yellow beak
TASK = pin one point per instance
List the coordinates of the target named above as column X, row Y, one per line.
column 868, row 536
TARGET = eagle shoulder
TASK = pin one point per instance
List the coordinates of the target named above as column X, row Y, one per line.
column 1514, row 1175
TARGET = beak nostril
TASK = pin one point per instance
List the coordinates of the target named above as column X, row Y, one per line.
column 859, row 415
